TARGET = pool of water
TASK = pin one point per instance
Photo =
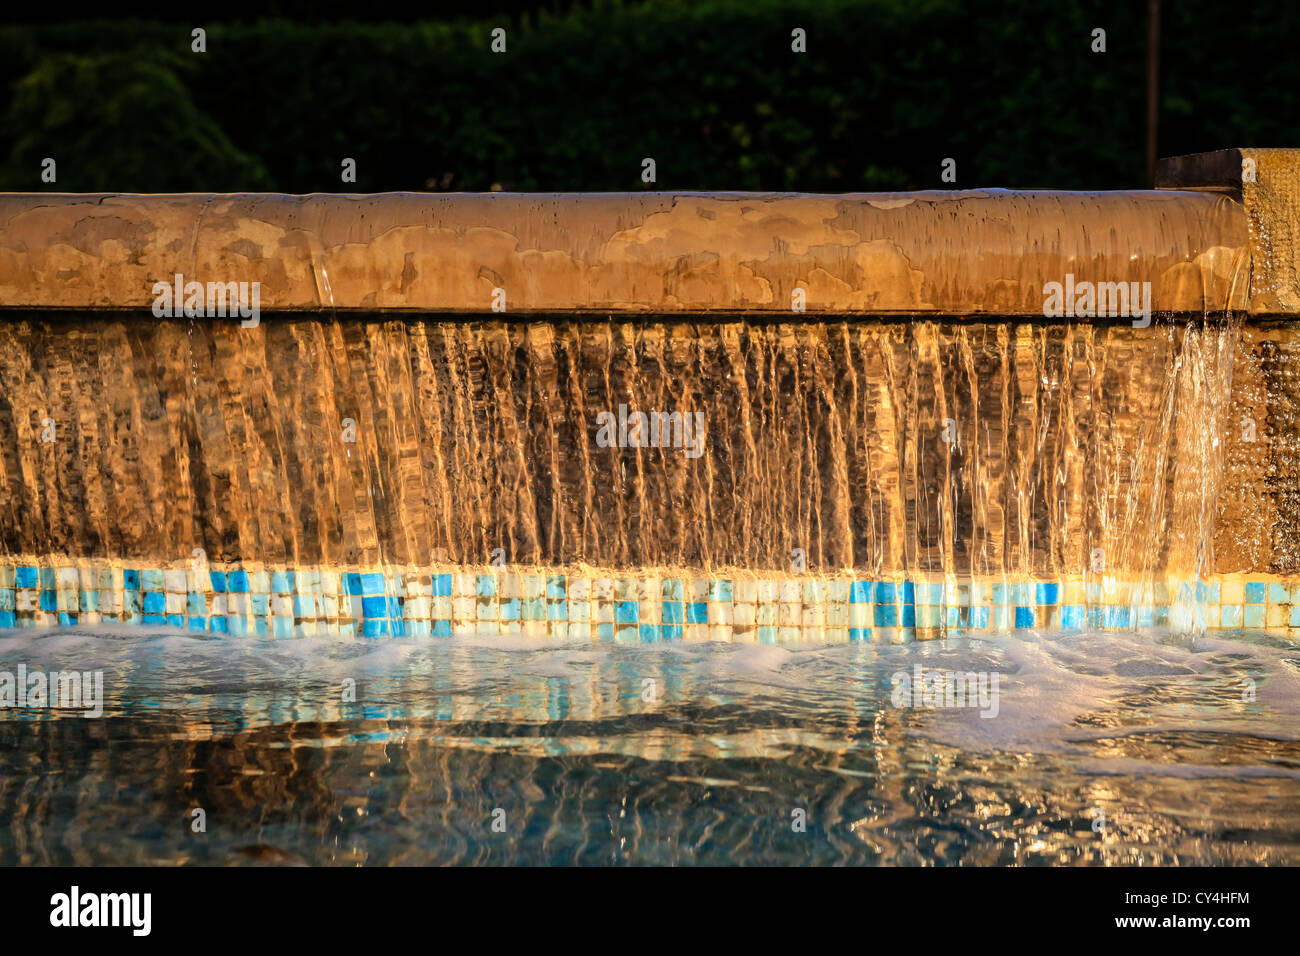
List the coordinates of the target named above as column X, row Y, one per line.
column 1118, row 748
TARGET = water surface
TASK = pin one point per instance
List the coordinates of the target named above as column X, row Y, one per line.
column 653, row 754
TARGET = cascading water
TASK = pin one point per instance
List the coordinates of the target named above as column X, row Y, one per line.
column 1004, row 450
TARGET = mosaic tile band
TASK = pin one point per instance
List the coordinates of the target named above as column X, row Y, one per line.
column 621, row 607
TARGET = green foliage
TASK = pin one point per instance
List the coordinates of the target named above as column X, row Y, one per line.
column 711, row 90
column 117, row 123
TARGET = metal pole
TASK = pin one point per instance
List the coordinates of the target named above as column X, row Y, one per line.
column 1153, row 83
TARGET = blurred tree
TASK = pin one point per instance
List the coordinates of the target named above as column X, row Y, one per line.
column 120, row 123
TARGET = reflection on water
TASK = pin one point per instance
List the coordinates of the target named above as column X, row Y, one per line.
column 653, row 754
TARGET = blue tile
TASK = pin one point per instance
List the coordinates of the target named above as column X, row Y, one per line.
column 45, row 576
column 859, row 634
column 886, row 615
column 671, row 632
column 372, row 627
column 217, row 625
column 697, row 612
column 1255, row 592
column 198, row 624
column 1278, row 593
column 442, row 628
column 442, row 585
column 7, row 619
column 930, row 592
column 260, row 604
column 885, row 592
column 625, row 612
column 557, row 610
column 719, row 590
column 25, row 576
column 649, row 633
column 1001, row 594
column 158, row 619
column 90, row 600
column 218, row 579
column 176, row 620
column 909, row 592
column 908, row 616
column 860, row 592
column 1048, row 593
column 487, row 585
column 1253, row 615
column 196, row 604
column 281, row 582
column 67, row 620
column 237, row 581
column 1113, row 617
column 374, row 607
column 1022, row 593
column 979, row 617
column 672, row 612
column 605, row 631
column 1024, row 617
column 352, row 582
column 555, row 586
column 511, row 608
column 1072, row 615
column 372, row 584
